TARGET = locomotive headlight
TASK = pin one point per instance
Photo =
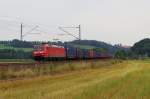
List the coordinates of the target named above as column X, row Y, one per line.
column 42, row 53
column 38, row 53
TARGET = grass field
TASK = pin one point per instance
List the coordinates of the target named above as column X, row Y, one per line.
column 2, row 46
column 125, row 80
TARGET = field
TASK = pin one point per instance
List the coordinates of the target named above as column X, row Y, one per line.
column 109, row 79
column 3, row 46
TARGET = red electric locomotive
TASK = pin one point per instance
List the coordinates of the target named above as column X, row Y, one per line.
column 49, row 52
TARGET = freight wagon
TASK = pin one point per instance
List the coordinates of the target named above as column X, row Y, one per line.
column 53, row 52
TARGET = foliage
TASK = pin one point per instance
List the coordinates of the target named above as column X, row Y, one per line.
column 121, row 54
column 83, row 46
column 142, row 48
column 13, row 54
column 3, row 46
column 98, row 44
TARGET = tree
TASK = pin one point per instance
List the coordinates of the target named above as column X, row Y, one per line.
column 142, row 48
column 121, row 54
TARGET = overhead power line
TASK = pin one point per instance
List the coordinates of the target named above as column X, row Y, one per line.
column 27, row 33
column 71, row 34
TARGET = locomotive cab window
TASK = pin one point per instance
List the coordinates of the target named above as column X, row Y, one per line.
column 38, row 48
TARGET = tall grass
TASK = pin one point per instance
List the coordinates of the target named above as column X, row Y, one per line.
column 126, row 80
column 52, row 68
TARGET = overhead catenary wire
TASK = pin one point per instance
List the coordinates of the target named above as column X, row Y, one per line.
column 71, row 34
column 29, row 27
column 68, row 32
column 29, row 32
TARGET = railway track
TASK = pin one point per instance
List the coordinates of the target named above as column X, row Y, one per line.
column 32, row 64
column 27, row 64
column 16, row 64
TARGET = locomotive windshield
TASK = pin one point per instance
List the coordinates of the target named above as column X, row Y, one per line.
column 38, row 48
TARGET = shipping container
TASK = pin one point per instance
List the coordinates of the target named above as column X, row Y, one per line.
column 85, row 53
column 97, row 54
column 71, row 53
column 91, row 53
column 79, row 53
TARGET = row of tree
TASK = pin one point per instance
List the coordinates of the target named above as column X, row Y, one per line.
column 140, row 49
column 14, row 54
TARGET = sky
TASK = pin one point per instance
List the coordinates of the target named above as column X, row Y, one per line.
column 111, row 21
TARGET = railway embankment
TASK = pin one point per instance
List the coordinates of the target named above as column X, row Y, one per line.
column 33, row 69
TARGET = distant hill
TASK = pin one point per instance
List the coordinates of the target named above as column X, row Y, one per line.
column 142, row 47
column 89, row 44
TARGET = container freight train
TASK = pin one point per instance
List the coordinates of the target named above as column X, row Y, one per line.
column 53, row 53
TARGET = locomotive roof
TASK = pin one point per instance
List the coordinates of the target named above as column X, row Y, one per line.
column 56, row 46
